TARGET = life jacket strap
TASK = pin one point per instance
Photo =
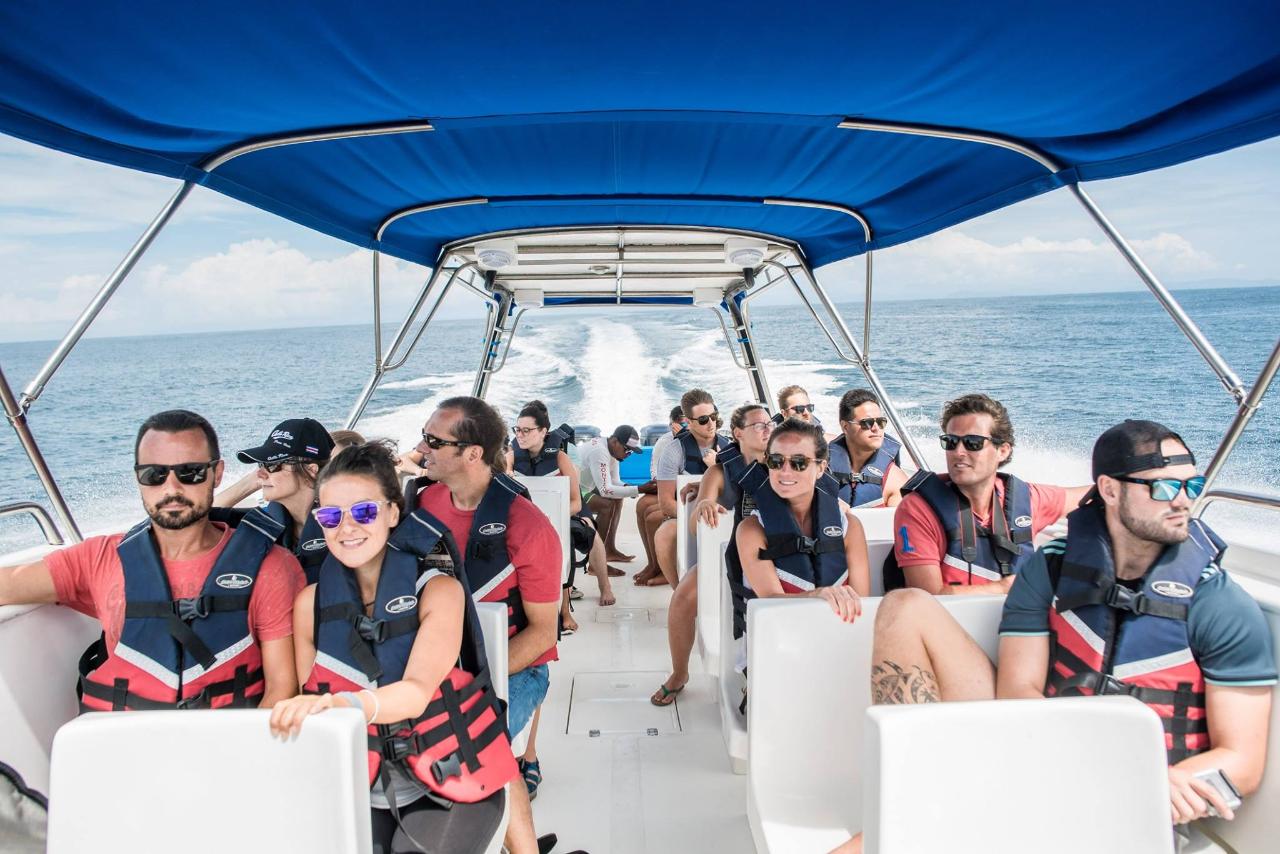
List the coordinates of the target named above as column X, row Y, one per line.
column 121, row 698
column 781, row 547
column 1098, row 684
column 1121, row 598
column 366, row 630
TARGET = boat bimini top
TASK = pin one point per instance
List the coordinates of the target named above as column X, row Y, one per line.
column 622, row 153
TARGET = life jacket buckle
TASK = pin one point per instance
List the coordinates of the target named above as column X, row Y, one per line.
column 1109, row 685
column 189, row 610
column 395, row 749
column 443, row 769
column 807, row 545
column 196, row 701
column 370, row 629
column 1123, row 599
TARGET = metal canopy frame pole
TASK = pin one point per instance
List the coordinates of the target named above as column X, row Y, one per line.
column 495, row 330
column 1248, row 407
column 738, row 313
column 18, row 418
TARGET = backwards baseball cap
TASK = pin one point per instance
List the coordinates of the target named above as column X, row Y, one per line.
column 628, row 438
column 297, row 438
column 1134, row 445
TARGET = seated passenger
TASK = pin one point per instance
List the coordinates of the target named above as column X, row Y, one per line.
column 864, row 448
column 1134, row 600
column 728, row 484
column 802, row 540
column 648, row 504
column 287, row 465
column 343, row 439
column 395, row 626
column 793, row 402
column 970, row 530
column 691, row 452
column 510, row 554
column 194, row 614
column 605, row 489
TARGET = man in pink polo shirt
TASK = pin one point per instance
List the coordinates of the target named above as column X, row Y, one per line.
column 968, row 531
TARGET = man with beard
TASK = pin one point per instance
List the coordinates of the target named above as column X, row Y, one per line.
column 194, row 614
column 1133, row 601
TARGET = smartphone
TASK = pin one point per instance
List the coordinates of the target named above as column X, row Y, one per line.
column 1218, row 779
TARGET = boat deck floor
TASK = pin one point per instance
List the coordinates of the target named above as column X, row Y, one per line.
column 621, row 775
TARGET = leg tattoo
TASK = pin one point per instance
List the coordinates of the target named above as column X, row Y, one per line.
column 891, row 685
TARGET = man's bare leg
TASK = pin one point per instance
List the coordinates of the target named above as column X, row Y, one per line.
column 652, row 523
column 599, row 567
column 607, row 511
column 664, row 547
column 682, row 617
column 566, row 613
column 921, row 654
column 520, row 838
column 645, row 505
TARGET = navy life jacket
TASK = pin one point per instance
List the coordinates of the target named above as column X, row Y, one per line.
column 309, row 549
column 803, row 563
column 974, row 552
column 693, row 463
column 458, row 747
column 742, row 479
column 490, row 574
column 546, row 462
column 867, row 486
column 1147, row 654
column 196, row 653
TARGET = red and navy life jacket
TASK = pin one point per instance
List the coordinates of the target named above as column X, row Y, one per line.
column 458, row 747
column 196, row 653
column 309, row 549
column 803, row 562
column 1108, row 639
column 867, row 486
column 546, row 461
column 975, row 553
column 742, row 480
column 490, row 574
column 693, row 462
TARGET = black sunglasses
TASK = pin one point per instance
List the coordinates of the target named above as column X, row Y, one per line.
column 274, row 468
column 801, row 408
column 154, row 474
column 868, row 423
column 703, row 419
column 797, row 461
column 972, row 442
column 435, row 443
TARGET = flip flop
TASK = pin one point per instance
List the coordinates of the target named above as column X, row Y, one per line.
column 665, row 696
column 532, row 772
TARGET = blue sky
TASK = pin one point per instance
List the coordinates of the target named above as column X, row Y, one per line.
column 66, row 222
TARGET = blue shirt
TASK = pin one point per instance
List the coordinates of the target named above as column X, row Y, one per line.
column 1229, row 635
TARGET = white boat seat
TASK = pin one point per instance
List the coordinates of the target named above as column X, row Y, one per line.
column 733, row 724
column 551, row 496
column 493, row 623
column 1101, row 759
column 711, row 577
column 686, row 552
column 877, row 524
column 809, row 677
column 134, row 781
column 40, row 647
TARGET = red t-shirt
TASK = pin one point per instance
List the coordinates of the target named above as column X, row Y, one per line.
column 532, row 544
column 920, row 540
column 90, row 578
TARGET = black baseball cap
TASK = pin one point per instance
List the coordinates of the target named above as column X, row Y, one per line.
column 297, row 438
column 628, row 438
column 1133, row 445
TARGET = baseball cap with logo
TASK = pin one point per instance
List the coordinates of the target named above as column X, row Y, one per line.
column 628, row 438
column 1131, row 446
column 297, row 438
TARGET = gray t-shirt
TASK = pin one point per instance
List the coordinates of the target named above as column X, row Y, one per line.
column 658, row 447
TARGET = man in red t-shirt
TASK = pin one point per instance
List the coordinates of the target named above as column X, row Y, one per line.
column 978, row 438
column 462, row 448
column 178, row 468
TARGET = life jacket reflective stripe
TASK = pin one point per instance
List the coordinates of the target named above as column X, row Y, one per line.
column 867, row 486
column 745, row 479
column 547, row 460
column 974, row 552
column 458, row 747
column 487, row 563
column 693, row 463
column 1147, row 654
column 182, row 653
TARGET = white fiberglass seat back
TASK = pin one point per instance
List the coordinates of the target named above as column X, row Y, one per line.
column 877, row 526
column 686, row 553
column 551, row 496
column 809, row 686
column 711, row 577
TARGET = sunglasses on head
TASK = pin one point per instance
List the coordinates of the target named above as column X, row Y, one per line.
column 703, row 419
column 435, row 443
column 972, row 442
column 154, row 474
column 801, row 408
column 274, row 468
column 362, row 512
column 868, row 423
column 1167, row 488
column 797, row 461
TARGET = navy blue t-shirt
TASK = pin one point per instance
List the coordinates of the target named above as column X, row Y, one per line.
column 1229, row 635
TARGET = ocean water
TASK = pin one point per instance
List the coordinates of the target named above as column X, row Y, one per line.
column 1067, row 367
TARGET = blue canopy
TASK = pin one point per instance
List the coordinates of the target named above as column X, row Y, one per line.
column 568, row 114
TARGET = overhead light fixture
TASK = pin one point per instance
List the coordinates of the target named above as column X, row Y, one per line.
column 496, row 254
column 707, row 297
column 529, row 297
column 744, row 252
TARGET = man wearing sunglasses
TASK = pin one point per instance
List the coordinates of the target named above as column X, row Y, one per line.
column 864, row 461
column 1133, row 601
column 969, row 531
column 193, row 614
column 691, row 452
